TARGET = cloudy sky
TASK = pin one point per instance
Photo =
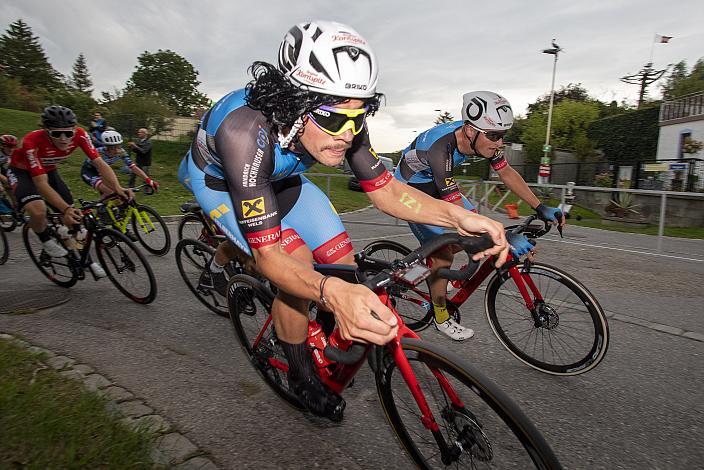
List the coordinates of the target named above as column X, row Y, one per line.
column 430, row 52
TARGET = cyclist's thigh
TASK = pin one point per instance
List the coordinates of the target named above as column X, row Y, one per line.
column 59, row 186
column 310, row 219
column 214, row 199
column 23, row 187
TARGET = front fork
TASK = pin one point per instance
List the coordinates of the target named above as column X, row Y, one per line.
column 524, row 283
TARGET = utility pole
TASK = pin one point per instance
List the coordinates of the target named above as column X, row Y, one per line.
column 544, row 169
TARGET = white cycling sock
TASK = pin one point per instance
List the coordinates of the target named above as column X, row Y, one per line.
column 215, row 267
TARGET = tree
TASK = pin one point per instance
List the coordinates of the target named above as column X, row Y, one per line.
column 23, row 58
column 570, row 122
column 131, row 110
column 80, row 78
column 170, row 77
column 444, row 117
column 680, row 83
column 573, row 91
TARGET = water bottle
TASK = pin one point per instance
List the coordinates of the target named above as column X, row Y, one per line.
column 62, row 231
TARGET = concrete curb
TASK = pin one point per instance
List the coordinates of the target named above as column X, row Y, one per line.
column 32, row 300
column 171, row 448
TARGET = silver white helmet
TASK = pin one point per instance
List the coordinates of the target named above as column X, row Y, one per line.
column 111, row 138
column 487, row 111
column 329, row 58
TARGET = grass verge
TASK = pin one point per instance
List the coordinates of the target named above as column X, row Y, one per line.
column 48, row 421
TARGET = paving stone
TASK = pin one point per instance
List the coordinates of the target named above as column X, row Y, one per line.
column 634, row 320
column 22, row 344
column 172, row 448
column 151, row 423
column 117, row 394
column 134, row 409
column 84, row 369
column 197, row 463
column 6, row 337
column 95, row 382
column 694, row 335
column 72, row 374
column 60, row 362
column 38, row 350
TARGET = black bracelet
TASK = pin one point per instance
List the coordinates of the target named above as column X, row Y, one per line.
column 323, row 300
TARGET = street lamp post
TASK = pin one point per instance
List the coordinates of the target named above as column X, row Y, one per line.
column 544, row 169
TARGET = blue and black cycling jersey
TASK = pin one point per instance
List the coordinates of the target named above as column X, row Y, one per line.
column 89, row 173
column 428, row 163
column 252, row 188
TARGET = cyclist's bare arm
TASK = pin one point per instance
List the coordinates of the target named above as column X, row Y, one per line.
column 407, row 203
column 109, row 177
column 352, row 304
column 515, row 182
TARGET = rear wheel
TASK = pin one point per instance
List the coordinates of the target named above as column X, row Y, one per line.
column 192, row 259
column 4, row 247
column 249, row 303
column 152, row 232
column 480, row 426
column 60, row 271
column 127, row 268
column 572, row 334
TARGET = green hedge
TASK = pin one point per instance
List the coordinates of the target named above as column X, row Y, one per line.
column 628, row 137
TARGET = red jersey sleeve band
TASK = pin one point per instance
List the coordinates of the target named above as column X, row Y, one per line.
column 379, row 182
column 499, row 164
column 262, row 238
column 452, row 197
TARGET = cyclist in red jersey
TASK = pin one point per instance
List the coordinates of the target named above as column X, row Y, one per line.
column 35, row 179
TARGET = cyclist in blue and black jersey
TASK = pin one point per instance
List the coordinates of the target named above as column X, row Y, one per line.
column 427, row 164
column 112, row 153
column 245, row 168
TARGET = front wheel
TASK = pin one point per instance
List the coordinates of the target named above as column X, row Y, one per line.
column 127, row 268
column 570, row 335
column 478, row 426
column 151, row 230
column 249, row 303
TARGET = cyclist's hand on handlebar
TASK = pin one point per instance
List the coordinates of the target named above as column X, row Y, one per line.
column 552, row 214
column 520, row 245
column 125, row 194
column 153, row 184
column 71, row 217
column 359, row 313
column 475, row 223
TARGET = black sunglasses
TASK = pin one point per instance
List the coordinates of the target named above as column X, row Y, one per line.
column 58, row 134
column 493, row 136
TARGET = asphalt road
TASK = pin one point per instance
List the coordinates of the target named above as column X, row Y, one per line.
column 643, row 407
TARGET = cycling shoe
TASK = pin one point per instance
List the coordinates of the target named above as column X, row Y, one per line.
column 318, row 398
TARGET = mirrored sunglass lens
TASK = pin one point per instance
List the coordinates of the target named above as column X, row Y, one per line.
column 495, row 136
column 334, row 122
column 58, row 134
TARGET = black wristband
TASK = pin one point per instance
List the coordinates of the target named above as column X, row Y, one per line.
column 323, row 300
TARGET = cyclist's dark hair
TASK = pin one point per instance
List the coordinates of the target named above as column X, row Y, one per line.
column 282, row 103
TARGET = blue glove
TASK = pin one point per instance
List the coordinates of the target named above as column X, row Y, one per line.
column 551, row 214
column 520, row 245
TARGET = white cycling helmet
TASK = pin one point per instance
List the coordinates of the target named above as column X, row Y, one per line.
column 111, row 138
column 329, row 58
column 487, row 111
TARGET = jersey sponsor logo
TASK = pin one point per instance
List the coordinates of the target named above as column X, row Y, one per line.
column 498, row 163
column 250, row 172
column 452, row 197
column 450, row 181
column 371, row 150
column 333, row 249
column 264, row 237
column 262, row 138
column 253, row 207
column 256, row 221
column 414, row 161
column 376, row 183
column 33, row 163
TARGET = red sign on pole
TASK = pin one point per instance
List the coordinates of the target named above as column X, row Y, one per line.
column 544, row 170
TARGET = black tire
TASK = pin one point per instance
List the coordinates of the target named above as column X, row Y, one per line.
column 574, row 337
column 126, row 266
column 412, row 303
column 153, row 234
column 190, row 226
column 8, row 222
column 243, row 292
column 4, row 247
column 57, row 270
column 492, row 430
column 192, row 257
